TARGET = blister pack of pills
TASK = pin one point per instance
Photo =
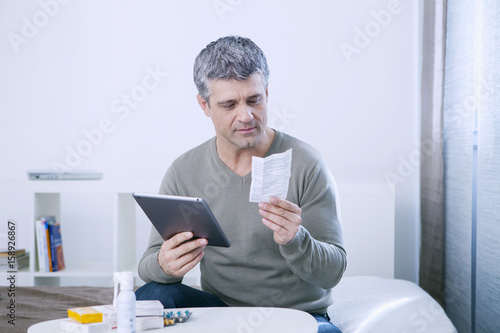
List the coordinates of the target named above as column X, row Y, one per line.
column 171, row 318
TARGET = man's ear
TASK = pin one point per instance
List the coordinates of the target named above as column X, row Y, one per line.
column 204, row 105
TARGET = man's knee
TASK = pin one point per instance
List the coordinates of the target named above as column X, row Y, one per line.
column 177, row 295
column 165, row 293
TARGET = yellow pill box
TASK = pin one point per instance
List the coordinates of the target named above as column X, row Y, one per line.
column 93, row 314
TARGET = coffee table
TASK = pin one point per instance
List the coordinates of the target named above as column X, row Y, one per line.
column 226, row 319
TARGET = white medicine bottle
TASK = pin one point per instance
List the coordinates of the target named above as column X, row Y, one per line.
column 125, row 302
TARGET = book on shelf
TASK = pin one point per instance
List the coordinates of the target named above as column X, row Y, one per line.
column 56, row 248
column 41, row 246
column 6, row 253
column 14, row 260
column 49, row 245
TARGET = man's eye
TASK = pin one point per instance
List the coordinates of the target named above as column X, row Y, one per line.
column 253, row 101
column 228, row 106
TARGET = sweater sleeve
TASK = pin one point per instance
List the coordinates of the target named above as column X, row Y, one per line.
column 316, row 254
column 149, row 269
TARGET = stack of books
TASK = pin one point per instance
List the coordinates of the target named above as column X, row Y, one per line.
column 14, row 260
column 49, row 245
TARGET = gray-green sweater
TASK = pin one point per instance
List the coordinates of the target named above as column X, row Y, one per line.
column 255, row 271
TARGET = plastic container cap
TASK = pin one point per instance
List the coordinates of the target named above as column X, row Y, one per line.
column 124, row 281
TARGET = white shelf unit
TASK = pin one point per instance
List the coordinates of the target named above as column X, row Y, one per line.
column 26, row 201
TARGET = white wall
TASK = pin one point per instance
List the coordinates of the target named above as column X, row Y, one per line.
column 67, row 72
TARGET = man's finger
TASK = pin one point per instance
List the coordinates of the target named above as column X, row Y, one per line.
column 189, row 246
column 275, row 218
column 190, row 264
column 268, row 210
column 180, row 244
column 281, row 235
column 178, row 239
column 190, row 256
column 273, row 226
column 285, row 204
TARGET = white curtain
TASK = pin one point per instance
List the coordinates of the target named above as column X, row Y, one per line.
column 487, row 317
column 431, row 276
column 458, row 148
column 472, row 165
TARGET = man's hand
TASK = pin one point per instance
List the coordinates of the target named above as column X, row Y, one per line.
column 178, row 256
column 282, row 217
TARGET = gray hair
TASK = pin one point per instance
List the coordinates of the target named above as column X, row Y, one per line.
column 231, row 57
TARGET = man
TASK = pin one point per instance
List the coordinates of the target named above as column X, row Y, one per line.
column 285, row 253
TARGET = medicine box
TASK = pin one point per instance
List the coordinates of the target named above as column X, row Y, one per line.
column 93, row 314
column 148, row 308
column 70, row 325
column 148, row 323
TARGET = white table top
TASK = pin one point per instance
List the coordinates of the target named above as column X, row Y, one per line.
column 226, row 319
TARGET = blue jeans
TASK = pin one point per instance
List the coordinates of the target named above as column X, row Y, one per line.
column 178, row 295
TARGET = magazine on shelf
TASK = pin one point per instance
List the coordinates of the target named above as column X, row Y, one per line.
column 14, row 260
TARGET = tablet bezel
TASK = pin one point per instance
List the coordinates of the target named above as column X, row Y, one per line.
column 172, row 214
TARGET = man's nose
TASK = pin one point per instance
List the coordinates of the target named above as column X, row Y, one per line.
column 245, row 114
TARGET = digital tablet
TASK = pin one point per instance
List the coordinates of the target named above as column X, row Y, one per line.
column 173, row 214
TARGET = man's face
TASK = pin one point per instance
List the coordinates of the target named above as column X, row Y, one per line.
column 238, row 110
